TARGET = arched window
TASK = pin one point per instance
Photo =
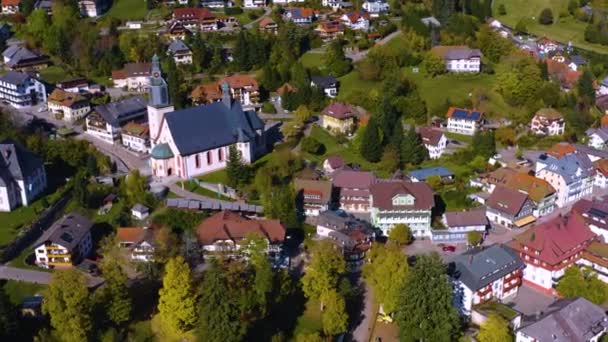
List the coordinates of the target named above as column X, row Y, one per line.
column 209, row 158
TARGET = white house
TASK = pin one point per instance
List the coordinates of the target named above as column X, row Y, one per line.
column 140, row 211
column 376, row 7
column 354, row 188
column 285, row 2
column 484, row 274
column 357, row 20
column 434, row 141
column 548, row 121
column 313, row 196
column 180, row 52
column 93, row 8
column 65, row 243
column 329, row 85
column 254, row 3
column 463, row 121
column 594, row 212
column 394, row 202
column 510, row 208
column 459, row 58
column 136, row 137
column 10, row 6
column 333, row 4
column 23, row 177
column 133, row 76
column 597, row 137
column 21, row 90
column 300, row 15
column 71, row 106
column 106, row 121
column 572, row 319
column 601, row 173
column 140, row 241
column 459, row 223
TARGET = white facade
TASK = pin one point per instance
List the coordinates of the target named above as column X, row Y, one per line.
column 134, row 83
column 10, row 9
column 334, row 4
column 600, row 180
column 254, row 3
column 23, row 191
column 463, row 65
column 27, row 93
column 183, row 58
column 375, row 8
column 143, row 251
column 70, row 114
column 436, row 151
column 567, row 193
column 361, row 24
column 544, row 126
column 596, row 140
column 54, row 254
column 135, row 143
column 108, row 134
column 466, row 298
column 463, row 126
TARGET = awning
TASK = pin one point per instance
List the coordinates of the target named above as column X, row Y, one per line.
column 525, row 221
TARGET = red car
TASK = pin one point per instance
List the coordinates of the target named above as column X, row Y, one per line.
column 449, row 248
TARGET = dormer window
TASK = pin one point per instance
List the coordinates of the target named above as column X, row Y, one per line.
column 403, row 200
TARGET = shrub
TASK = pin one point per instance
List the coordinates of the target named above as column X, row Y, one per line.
column 233, row 10
column 502, row 10
column 312, row 146
column 546, row 17
column 269, row 108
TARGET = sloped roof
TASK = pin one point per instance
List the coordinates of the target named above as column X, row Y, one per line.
column 354, row 16
column 11, row 2
column 188, row 13
column 240, row 81
column 115, row 112
column 177, row 46
column 324, row 81
column 456, row 52
column 601, row 132
column 464, row 114
column 135, row 129
column 602, row 166
column 423, row 174
column 317, row 187
column 549, row 114
column 507, row 200
column 353, row 179
column 339, row 110
column 209, row 92
column 202, row 128
column 265, row 22
column 430, row 136
column 135, row 235
column 227, row 225
column 67, row 231
column 572, row 166
column 14, row 77
column 537, row 189
column 132, row 70
column 17, row 162
column 335, row 161
column 300, row 12
column 479, row 267
column 384, row 192
column 594, row 212
column 286, row 88
column 474, row 217
column 65, row 98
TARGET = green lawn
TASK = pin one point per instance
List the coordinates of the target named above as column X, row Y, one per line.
column 312, row 60
column 350, row 83
column 460, row 137
column 20, row 261
column 215, row 177
column 193, row 187
column 128, row 10
column 310, row 321
column 18, row 290
column 563, row 29
column 14, row 221
column 54, row 74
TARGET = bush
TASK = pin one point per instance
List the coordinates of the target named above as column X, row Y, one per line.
column 312, row 146
column 268, row 108
column 233, row 10
column 546, row 17
column 502, row 10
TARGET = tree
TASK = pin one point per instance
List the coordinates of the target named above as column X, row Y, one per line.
column 434, row 182
column 573, row 5
column 434, row 64
column 386, row 274
column 495, row 329
column 135, row 187
column 324, row 270
column 425, row 310
column 309, row 337
column 506, row 136
column 303, row 114
column 67, row 303
column 236, row 170
column 578, row 282
column 390, row 159
column 92, row 168
column 334, row 316
column 521, row 27
column 546, row 17
column 80, row 189
column 413, row 151
column 174, row 83
column 585, row 86
column 8, row 317
column 176, row 307
column 400, row 234
column 115, row 293
column 502, row 10
column 484, row 144
column 474, row 238
column 371, row 143
column 334, row 59
column 311, row 145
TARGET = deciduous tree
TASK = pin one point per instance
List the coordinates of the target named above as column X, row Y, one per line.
column 546, row 17
column 400, row 234
column 434, row 64
column 386, row 275
column 324, row 270
column 474, row 238
column 177, row 300
column 495, row 329
column 115, row 293
column 334, row 316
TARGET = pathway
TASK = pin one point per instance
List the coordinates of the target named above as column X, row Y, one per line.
column 37, row 277
column 363, row 331
column 355, row 57
column 267, row 12
column 176, row 189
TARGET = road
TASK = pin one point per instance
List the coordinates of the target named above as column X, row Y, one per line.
column 363, row 331
column 267, row 12
column 37, row 277
column 355, row 57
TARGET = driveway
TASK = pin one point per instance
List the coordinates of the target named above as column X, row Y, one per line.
column 38, row 277
column 530, row 302
column 363, row 331
column 355, row 57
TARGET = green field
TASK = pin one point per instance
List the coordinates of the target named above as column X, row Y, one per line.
column 312, row 60
column 565, row 29
column 54, row 74
column 18, row 290
column 128, row 10
column 14, row 221
column 195, row 188
column 215, row 177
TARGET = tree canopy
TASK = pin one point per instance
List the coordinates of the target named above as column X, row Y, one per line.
column 176, row 307
column 495, row 329
column 386, row 274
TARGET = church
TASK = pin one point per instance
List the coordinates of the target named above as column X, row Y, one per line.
column 194, row 141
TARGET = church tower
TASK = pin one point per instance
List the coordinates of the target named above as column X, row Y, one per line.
column 158, row 102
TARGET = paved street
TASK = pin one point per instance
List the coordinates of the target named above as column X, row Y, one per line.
column 363, row 331
column 38, row 277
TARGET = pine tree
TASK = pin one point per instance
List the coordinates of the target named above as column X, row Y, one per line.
column 413, row 151
column 585, row 86
column 174, row 82
column 236, row 169
column 176, row 306
column 371, row 144
column 8, row 317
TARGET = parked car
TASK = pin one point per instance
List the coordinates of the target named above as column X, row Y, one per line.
column 449, row 248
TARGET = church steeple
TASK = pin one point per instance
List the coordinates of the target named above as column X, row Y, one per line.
column 226, row 97
column 159, row 94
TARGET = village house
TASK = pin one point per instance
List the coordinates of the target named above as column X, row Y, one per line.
column 197, row 140
column 75, row 85
column 510, row 208
column 334, row 4
column 224, row 232
column 176, row 30
column 333, row 164
column 133, row 76
column 422, row 175
column 328, row 84
column 23, row 178
column 354, row 188
column 401, row 202
column 375, row 8
column 18, row 57
column 572, row 319
column 548, row 121
column 195, row 18
column 353, row 237
column 254, row 3
column 106, row 120
column 601, row 173
column 489, row 180
column 339, row 117
column 21, row 90
column 66, row 243
column 464, row 121
column 10, row 6
column 268, row 25
column 330, row 30
column 93, row 8
column 458, row 224
column 595, row 258
column 205, row 94
column 595, row 214
column 139, row 241
column 539, row 191
column 549, row 248
column 357, row 20
column 483, row 274
column 567, row 78
column 459, row 58
column 71, row 106
column 570, row 172
column 180, row 52
column 434, row 141
column 243, row 88
column 597, row 138
column 577, row 62
column 299, row 15
column 313, row 196
column 140, row 211
column 546, row 46
column 136, row 137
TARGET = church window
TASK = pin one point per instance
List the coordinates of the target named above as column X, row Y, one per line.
column 209, row 158
column 197, row 161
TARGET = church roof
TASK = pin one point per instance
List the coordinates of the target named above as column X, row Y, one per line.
column 162, row 151
column 202, row 128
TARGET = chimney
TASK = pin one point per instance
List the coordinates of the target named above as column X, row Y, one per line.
column 226, row 98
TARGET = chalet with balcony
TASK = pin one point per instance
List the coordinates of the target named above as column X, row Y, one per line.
column 140, row 242
column 548, row 122
column 70, row 106
column 464, row 121
column 510, row 208
column 313, row 196
column 196, row 18
column 65, row 243
column 105, row 121
column 354, row 188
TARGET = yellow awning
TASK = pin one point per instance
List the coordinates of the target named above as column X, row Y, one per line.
column 525, row 221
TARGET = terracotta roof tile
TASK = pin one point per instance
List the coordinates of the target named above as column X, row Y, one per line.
column 384, row 192
column 430, row 136
column 507, row 200
column 240, row 81
column 130, row 234
column 536, row 188
column 340, row 110
column 65, row 98
column 227, row 225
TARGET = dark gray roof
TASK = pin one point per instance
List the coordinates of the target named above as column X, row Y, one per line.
column 16, row 162
column 67, row 232
column 140, row 208
column 601, row 132
column 213, row 125
column 14, row 77
column 120, row 111
column 478, row 268
column 18, row 54
column 578, row 60
column 177, row 46
column 324, row 81
column 568, row 320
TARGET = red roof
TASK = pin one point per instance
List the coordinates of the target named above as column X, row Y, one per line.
column 555, row 240
column 507, row 200
column 430, row 136
column 353, row 179
column 11, row 2
column 192, row 13
column 354, row 16
column 384, row 192
column 339, row 110
column 335, row 162
column 130, row 234
column 227, row 225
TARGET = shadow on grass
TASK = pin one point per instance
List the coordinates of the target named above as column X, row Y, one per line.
column 283, row 319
